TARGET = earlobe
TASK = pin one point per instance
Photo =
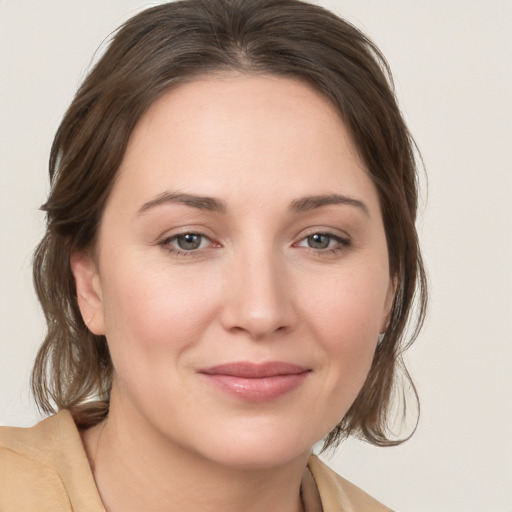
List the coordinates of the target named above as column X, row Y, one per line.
column 88, row 291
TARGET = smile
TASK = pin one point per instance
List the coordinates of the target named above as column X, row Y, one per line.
column 256, row 382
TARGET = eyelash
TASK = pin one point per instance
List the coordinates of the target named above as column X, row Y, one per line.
column 340, row 244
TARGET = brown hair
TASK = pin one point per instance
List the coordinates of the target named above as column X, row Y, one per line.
column 174, row 43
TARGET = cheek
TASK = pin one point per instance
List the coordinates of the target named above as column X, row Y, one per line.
column 154, row 312
column 347, row 318
column 350, row 307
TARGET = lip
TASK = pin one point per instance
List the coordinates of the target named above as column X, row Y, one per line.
column 253, row 382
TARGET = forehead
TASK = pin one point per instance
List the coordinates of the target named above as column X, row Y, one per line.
column 223, row 135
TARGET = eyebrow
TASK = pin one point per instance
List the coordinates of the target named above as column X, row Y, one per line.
column 200, row 202
column 305, row 204
column 211, row 204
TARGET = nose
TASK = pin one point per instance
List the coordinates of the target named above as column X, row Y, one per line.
column 259, row 297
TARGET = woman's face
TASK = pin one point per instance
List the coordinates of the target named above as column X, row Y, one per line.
column 241, row 273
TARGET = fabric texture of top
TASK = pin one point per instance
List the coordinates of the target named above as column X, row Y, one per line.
column 45, row 469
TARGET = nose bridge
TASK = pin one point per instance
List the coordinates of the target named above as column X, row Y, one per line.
column 259, row 300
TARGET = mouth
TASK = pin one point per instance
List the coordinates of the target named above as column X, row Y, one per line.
column 253, row 382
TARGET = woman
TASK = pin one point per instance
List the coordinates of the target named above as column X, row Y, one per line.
column 229, row 265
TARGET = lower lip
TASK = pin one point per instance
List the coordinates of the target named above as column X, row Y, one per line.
column 257, row 390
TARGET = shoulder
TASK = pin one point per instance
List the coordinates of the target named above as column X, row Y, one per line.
column 41, row 443
column 338, row 494
column 42, row 467
column 28, row 476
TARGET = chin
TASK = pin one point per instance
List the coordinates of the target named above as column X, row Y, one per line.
column 255, row 450
column 261, row 458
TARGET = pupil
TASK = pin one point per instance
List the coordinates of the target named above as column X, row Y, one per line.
column 189, row 241
column 319, row 241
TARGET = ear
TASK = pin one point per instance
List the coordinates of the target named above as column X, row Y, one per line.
column 388, row 304
column 88, row 291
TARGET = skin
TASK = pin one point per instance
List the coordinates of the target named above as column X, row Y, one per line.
column 256, row 289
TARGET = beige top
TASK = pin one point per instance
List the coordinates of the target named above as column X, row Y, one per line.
column 45, row 469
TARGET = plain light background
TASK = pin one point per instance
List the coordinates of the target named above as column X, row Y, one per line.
column 452, row 61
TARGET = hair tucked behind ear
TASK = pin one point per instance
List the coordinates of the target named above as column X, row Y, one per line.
column 178, row 42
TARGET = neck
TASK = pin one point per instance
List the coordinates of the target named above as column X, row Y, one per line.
column 139, row 469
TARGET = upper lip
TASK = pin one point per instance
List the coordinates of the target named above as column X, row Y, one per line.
column 248, row 370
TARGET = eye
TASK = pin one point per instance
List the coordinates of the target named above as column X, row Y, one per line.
column 323, row 241
column 186, row 242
